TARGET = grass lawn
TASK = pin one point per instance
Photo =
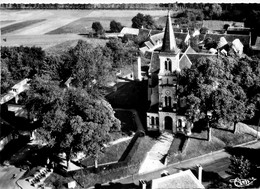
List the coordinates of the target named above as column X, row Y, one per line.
column 19, row 25
column 111, row 154
column 144, row 145
column 221, row 138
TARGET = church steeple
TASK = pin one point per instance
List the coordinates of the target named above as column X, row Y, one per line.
column 169, row 42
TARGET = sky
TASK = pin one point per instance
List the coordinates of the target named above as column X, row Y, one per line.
column 128, row 1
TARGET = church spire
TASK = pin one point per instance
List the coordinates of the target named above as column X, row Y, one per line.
column 169, row 42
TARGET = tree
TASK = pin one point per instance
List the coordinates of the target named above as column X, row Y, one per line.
column 6, row 78
column 122, row 53
column 98, row 28
column 240, row 166
column 23, row 62
column 93, row 67
column 210, row 43
column 221, row 89
column 115, row 26
column 216, row 10
column 204, row 30
column 141, row 20
column 70, row 120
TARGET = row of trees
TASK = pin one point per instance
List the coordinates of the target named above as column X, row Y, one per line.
column 132, row 6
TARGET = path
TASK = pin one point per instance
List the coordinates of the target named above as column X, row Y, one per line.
column 153, row 159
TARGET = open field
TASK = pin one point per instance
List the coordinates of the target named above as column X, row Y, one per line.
column 65, row 19
column 20, row 25
column 54, row 42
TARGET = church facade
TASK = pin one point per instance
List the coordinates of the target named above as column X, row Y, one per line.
column 162, row 86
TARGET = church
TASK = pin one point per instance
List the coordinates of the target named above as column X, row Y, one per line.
column 162, row 85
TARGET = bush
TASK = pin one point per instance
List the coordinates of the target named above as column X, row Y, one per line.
column 240, row 166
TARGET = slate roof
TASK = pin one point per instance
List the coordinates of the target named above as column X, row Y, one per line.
column 156, row 37
column 183, row 179
column 245, row 39
column 185, row 62
column 169, row 42
column 155, row 62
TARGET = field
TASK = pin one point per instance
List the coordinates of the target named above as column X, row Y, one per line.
column 50, row 43
column 17, row 26
column 59, row 23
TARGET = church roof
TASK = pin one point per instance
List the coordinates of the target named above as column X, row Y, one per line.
column 155, row 62
column 185, row 62
column 169, row 42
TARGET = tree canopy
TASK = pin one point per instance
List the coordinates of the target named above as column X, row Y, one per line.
column 98, row 28
column 18, row 63
column 70, row 120
column 115, row 26
column 225, row 86
column 141, row 20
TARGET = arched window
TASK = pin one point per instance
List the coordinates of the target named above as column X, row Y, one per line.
column 166, row 100
column 157, row 120
column 152, row 120
column 168, row 64
column 169, row 101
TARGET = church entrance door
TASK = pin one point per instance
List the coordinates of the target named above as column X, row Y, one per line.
column 168, row 123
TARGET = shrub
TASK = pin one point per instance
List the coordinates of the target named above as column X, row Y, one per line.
column 240, row 166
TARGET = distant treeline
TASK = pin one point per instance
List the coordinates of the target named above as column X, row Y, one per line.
column 141, row 6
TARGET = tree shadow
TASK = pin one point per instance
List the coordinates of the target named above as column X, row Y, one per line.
column 207, row 176
column 199, row 126
column 249, row 153
column 13, row 147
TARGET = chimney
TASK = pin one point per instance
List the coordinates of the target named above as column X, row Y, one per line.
column 199, row 169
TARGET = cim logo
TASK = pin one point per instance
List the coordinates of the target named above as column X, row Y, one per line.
column 242, row 182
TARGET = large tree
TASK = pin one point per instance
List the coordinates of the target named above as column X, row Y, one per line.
column 98, row 28
column 70, row 120
column 141, row 20
column 23, row 62
column 92, row 66
column 115, row 26
column 218, row 85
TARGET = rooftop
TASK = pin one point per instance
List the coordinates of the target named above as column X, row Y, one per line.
column 183, row 179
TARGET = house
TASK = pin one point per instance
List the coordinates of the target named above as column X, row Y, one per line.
column 165, row 65
column 183, row 179
column 129, row 31
column 6, row 133
column 15, row 91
